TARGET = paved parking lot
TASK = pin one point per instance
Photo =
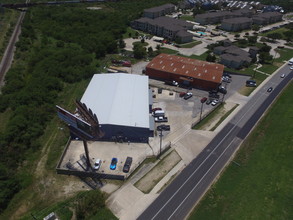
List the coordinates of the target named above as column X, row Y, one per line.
column 106, row 151
column 181, row 115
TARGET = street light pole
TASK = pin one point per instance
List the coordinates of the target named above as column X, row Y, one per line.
column 161, row 136
column 201, row 111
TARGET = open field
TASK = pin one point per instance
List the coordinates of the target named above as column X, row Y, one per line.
column 190, row 45
column 261, row 185
column 168, row 51
column 279, row 31
column 187, row 18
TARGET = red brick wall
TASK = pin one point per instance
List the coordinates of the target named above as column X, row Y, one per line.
column 196, row 83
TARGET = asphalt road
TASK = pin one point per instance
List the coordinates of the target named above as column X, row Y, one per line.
column 178, row 199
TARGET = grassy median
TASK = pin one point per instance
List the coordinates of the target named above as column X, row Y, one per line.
column 262, row 186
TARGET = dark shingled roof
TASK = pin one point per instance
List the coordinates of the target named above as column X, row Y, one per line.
column 235, row 58
column 159, row 8
column 237, row 20
column 183, row 33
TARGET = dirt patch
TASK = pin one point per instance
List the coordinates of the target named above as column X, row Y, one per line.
column 246, row 90
column 147, row 183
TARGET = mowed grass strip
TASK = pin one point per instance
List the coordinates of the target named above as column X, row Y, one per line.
column 148, row 182
column 262, row 186
column 224, row 117
column 190, row 45
column 209, row 119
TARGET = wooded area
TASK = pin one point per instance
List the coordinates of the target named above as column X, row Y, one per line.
column 57, row 45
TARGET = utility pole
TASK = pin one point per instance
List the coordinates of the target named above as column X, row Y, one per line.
column 201, row 111
column 161, row 136
column 86, row 150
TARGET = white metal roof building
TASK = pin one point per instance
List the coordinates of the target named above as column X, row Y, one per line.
column 121, row 103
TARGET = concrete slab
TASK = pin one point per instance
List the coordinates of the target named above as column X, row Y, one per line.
column 192, row 144
column 106, row 151
column 131, row 199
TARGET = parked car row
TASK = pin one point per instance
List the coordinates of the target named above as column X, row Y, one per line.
column 113, row 164
column 122, row 62
column 171, row 83
column 251, row 83
column 159, row 115
column 226, row 79
column 163, row 127
column 185, row 95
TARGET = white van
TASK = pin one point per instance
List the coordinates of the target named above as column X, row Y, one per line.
column 159, row 113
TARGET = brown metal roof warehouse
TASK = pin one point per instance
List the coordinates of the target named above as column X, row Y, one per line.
column 191, row 72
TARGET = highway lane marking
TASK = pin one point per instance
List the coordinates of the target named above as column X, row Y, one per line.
column 207, row 156
column 201, row 178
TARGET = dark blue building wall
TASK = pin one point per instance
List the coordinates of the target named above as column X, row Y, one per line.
column 118, row 133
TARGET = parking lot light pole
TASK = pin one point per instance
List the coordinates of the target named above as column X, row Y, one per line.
column 161, row 136
column 201, row 111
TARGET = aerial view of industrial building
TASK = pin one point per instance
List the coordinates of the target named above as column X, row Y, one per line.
column 190, row 72
column 122, row 103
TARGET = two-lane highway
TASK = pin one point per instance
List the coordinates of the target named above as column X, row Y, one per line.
column 177, row 200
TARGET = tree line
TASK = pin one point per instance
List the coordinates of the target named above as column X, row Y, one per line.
column 57, row 45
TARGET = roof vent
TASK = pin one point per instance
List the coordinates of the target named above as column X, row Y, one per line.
column 163, row 67
column 199, row 74
column 183, row 66
column 205, row 71
column 214, row 77
column 172, row 64
column 175, row 69
column 161, row 62
column 187, row 72
column 152, row 64
column 195, row 68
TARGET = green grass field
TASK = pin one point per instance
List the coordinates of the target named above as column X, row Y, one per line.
column 168, row 51
column 187, row 17
column 262, row 186
column 279, row 30
column 129, row 31
column 190, row 45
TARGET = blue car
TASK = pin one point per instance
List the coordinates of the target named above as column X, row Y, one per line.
column 113, row 163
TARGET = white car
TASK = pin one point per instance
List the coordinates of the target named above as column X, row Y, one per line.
column 216, row 101
column 291, row 67
column 97, row 164
column 283, row 75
